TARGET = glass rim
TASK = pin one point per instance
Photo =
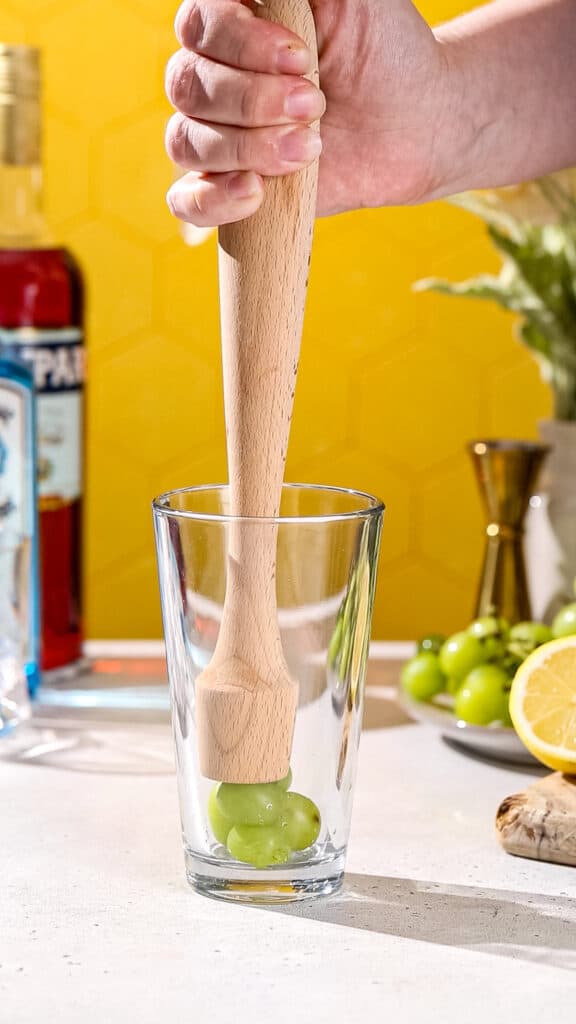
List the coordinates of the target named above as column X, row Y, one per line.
column 375, row 508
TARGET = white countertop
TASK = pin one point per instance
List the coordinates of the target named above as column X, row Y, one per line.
column 436, row 923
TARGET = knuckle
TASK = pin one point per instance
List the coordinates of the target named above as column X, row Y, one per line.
column 191, row 146
column 250, row 102
column 242, row 150
column 240, row 43
column 222, row 32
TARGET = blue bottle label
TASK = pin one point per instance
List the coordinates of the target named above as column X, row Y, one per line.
column 17, row 601
column 57, row 360
column 13, row 435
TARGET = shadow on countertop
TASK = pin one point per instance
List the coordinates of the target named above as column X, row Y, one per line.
column 522, row 926
column 383, row 713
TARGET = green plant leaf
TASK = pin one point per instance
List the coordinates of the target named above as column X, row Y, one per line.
column 535, row 340
column 537, row 281
column 485, row 286
column 544, row 261
column 560, row 199
column 473, row 202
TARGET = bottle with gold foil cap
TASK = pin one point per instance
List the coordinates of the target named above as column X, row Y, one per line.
column 41, row 321
column 19, row 105
column 21, row 218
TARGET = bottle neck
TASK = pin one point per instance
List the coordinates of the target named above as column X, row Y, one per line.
column 22, row 224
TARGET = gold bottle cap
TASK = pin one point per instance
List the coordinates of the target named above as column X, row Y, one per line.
column 19, row 105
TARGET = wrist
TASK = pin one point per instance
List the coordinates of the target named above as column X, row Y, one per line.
column 463, row 129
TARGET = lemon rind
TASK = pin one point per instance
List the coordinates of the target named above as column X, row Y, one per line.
column 537, row 660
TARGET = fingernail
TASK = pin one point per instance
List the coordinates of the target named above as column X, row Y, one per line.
column 305, row 103
column 244, row 185
column 300, row 146
column 294, row 59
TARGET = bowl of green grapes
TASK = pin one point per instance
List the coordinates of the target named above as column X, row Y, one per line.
column 460, row 684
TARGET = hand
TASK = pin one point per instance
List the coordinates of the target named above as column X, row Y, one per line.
column 244, row 109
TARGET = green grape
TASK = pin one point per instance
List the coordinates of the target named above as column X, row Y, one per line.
column 219, row 823
column 537, row 632
column 260, row 845
column 565, row 622
column 489, row 625
column 482, row 698
column 460, row 654
column 286, row 782
column 422, row 677
column 300, row 821
column 432, row 642
column 525, row 637
column 452, row 686
column 257, row 804
column 492, row 633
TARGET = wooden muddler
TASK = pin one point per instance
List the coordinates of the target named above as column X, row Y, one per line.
column 246, row 699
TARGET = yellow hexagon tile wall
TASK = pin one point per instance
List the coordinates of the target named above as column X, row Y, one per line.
column 436, row 413
column 119, row 280
column 13, row 28
column 450, row 534
column 67, row 148
column 158, row 400
column 159, row 15
column 186, row 295
column 392, row 384
column 353, row 307
column 120, row 504
column 130, row 154
column 37, row 6
column 507, row 385
column 196, row 466
column 100, row 60
column 116, row 594
column 340, row 464
column 418, row 592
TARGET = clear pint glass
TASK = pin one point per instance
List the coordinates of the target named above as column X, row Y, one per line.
column 284, row 839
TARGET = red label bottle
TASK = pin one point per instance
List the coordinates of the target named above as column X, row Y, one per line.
column 41, row 316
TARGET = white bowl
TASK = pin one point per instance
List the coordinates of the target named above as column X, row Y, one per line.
column 496, row 742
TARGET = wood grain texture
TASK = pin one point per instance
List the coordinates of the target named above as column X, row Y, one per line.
column 245, row 699
column 541, row 822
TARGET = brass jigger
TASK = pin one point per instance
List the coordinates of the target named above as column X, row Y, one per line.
column 506, row 472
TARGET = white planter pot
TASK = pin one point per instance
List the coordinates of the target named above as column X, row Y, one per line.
column 550, row 537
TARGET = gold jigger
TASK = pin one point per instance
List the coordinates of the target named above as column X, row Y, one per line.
column 506, row 472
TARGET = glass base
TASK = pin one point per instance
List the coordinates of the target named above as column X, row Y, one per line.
column 287, row 883
column 12, row 715
column 65, row 673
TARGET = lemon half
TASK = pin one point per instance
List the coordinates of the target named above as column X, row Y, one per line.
column 543, row 704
